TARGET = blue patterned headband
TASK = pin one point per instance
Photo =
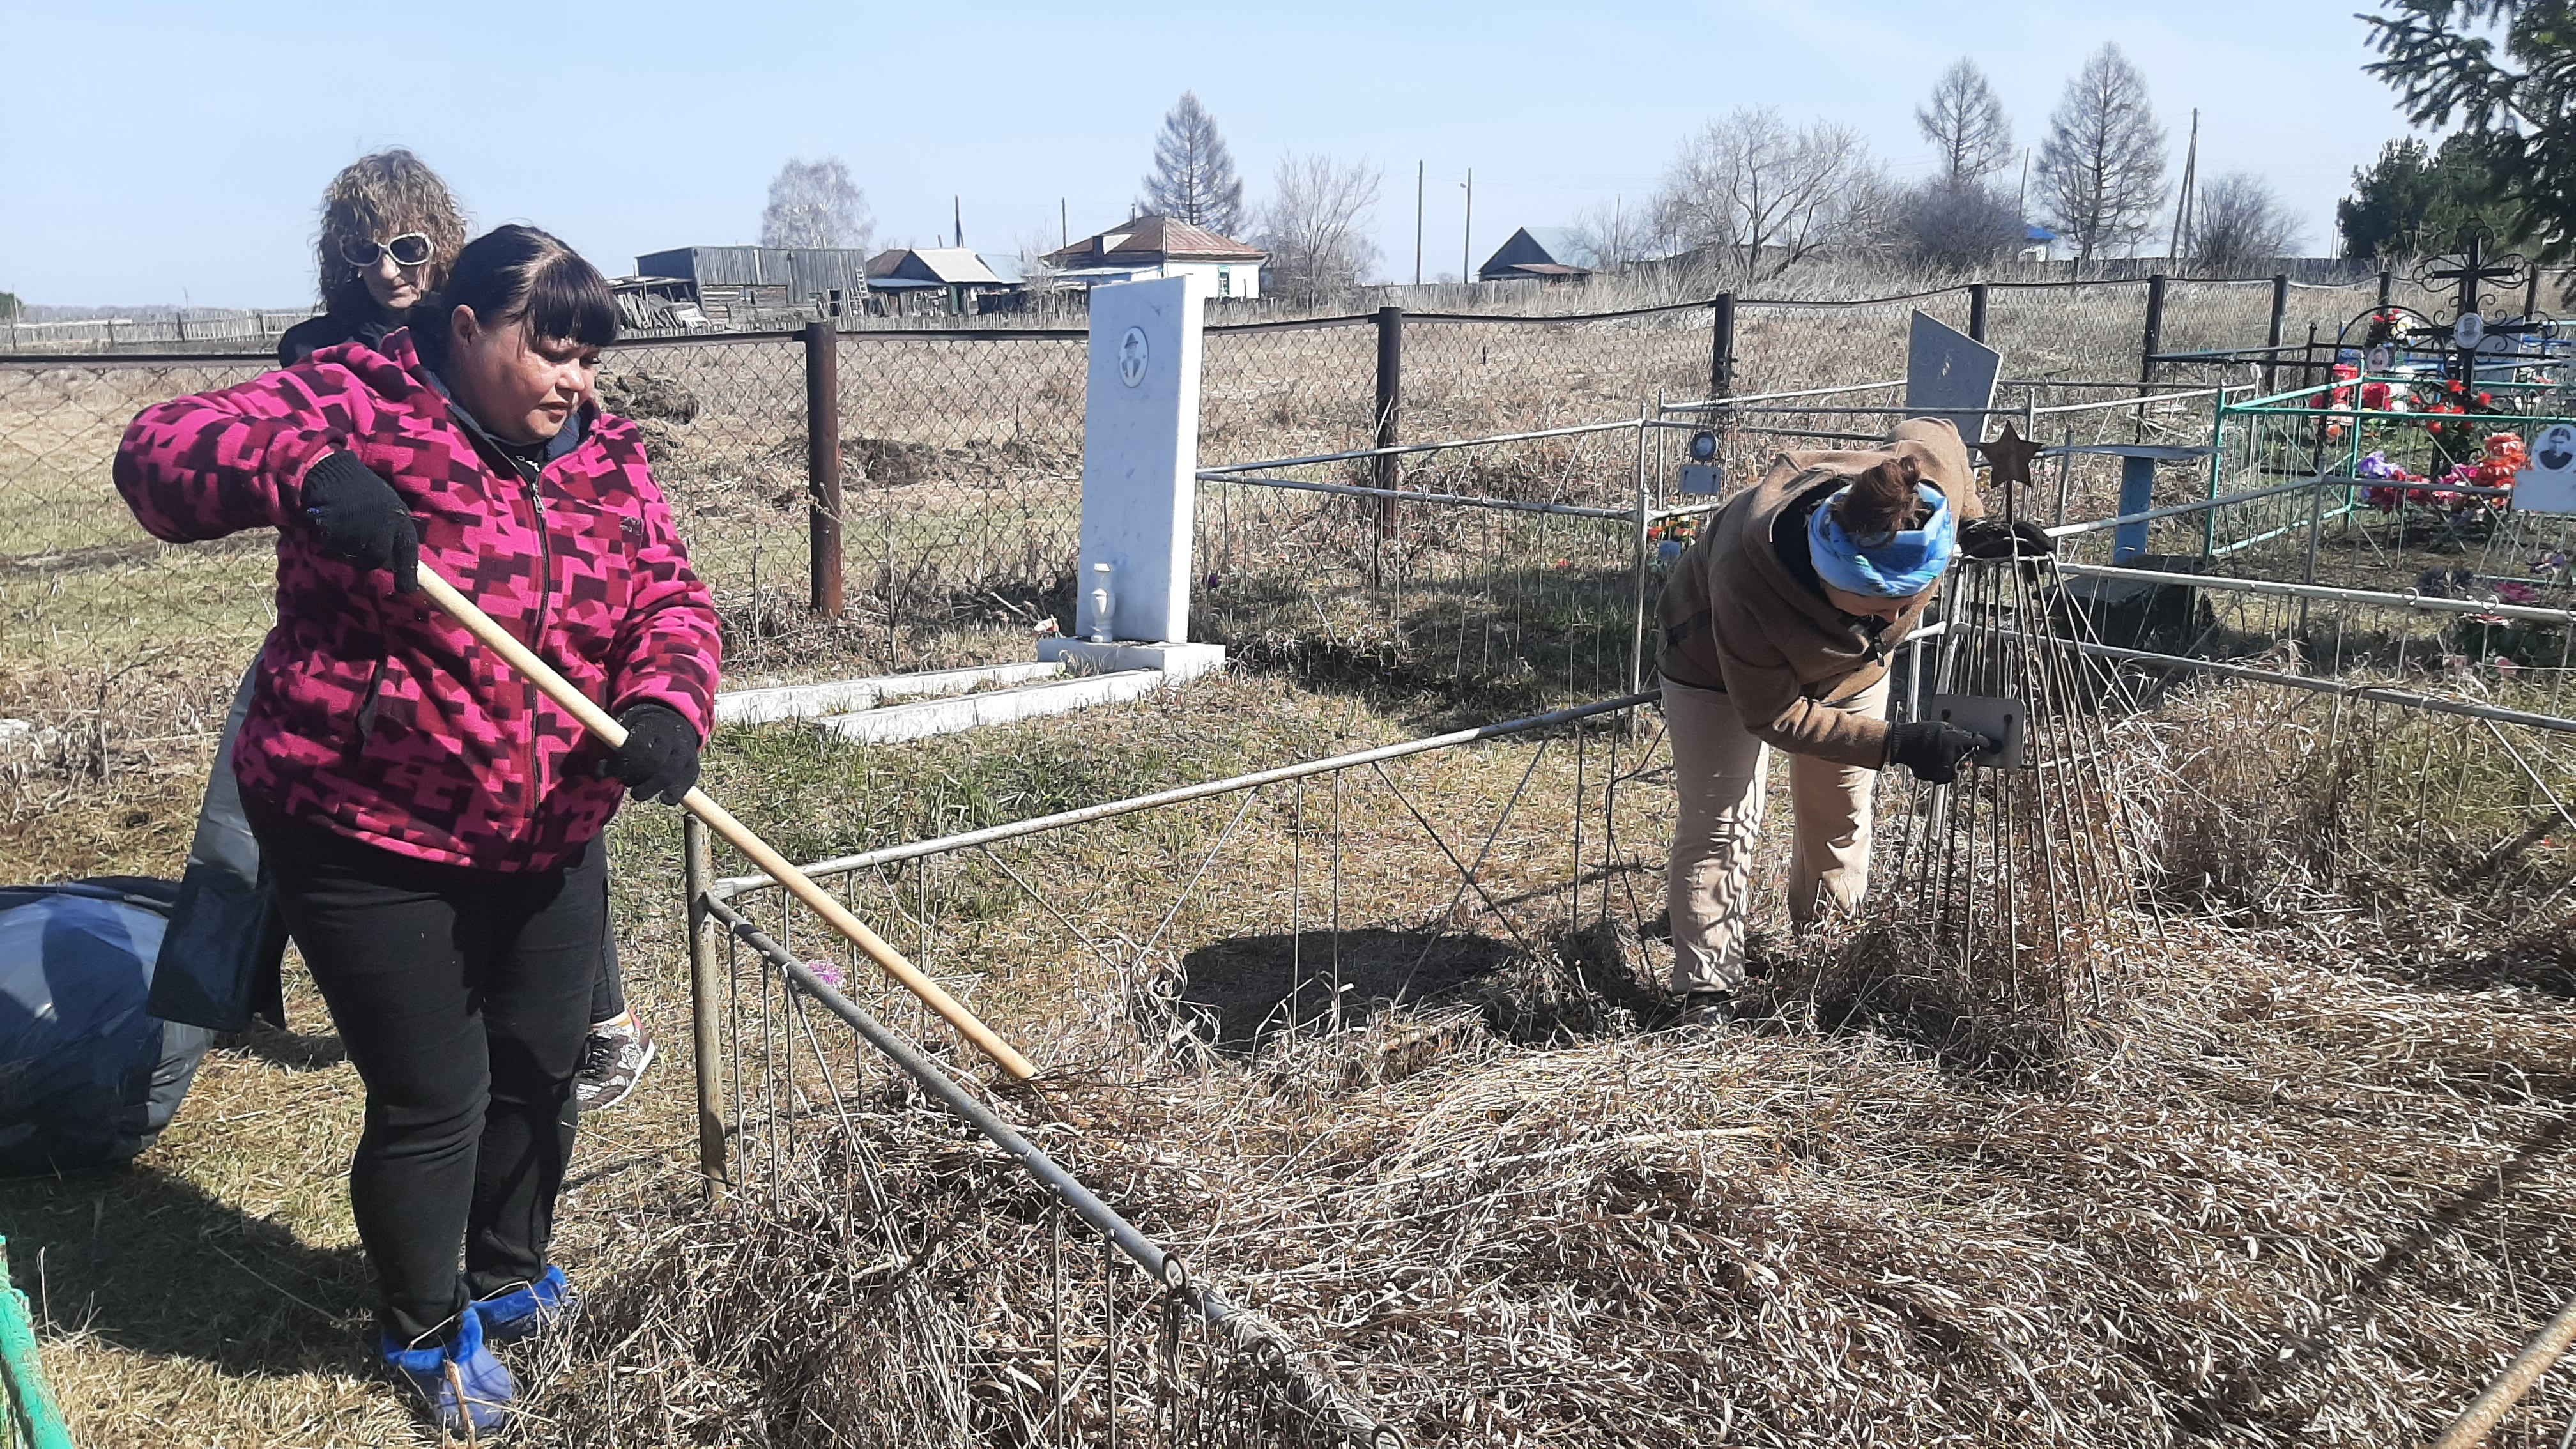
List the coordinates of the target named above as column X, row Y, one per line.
column 1894, row 566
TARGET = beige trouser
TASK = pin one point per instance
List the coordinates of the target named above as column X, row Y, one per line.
column 1719, row 768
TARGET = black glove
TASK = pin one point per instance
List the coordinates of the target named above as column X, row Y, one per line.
column 1992, row 538
column 659, row 761
column 360, row 517
column 1933, row 748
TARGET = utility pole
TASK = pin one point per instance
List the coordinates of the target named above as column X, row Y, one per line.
column 1063, row 223
column 959, row 202
column 1418, row 175
column 2021, row 205
column 1467, row 233
column 2182, row 202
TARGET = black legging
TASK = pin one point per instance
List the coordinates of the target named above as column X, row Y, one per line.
column 463, row 997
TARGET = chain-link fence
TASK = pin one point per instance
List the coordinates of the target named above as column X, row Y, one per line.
column 960, row 452
column 1503, row 572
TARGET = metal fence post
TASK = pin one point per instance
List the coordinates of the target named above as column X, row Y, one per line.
column 1637, row 631
column 706, row 1028
column 2149, row 345
column 823, row 465
column 1390, row 390
column 2280, row 315
column 2154, row 340
column 2386, row 281
column 1977, row 310
column 1385, row 470
column 1721, row 354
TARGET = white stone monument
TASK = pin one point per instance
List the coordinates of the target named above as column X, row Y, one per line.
column 1140, row 462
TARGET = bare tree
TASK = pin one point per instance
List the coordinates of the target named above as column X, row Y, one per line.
column 1617, row 234
column 1314, row 229
column 2102, row 168
column 1751, row 182
column 1957, row 226
column 815, row 204
column 1965, row 121
column 2239, row 224
column 1194, row 178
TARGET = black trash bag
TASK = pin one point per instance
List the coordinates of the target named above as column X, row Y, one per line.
column 88, row 1077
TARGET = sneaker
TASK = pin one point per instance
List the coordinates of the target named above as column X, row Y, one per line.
column 612, row 1062
column 528, row 1308
column 465, row 1388
column 1711, row 1009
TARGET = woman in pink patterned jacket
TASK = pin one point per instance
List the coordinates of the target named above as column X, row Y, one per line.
column 432, row 821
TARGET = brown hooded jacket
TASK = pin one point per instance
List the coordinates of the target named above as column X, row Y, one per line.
column 1736, row 620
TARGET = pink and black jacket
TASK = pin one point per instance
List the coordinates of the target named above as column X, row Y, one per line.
column 376, row 716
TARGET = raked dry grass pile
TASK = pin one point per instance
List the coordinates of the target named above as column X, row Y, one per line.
column 2302, row 1180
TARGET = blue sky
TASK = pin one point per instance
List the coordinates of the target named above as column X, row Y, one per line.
column 154, row 152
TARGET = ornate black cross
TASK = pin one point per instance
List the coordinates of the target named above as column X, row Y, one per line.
column 2471, row 274
column 2475, row 270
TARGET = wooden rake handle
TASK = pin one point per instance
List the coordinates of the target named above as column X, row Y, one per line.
column 733, row 832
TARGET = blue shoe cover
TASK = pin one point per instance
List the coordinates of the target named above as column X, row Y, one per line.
column 509, row 1317
column 468, row 1390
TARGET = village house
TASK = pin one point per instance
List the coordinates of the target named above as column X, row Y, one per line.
column 1542, row 253
column 1160, row 246
column 898, row 274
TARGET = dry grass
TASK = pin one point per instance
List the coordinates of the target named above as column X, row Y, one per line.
column 2298, row 1183
column 2307, row 1185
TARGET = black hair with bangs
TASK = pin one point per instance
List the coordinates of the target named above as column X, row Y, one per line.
column 517, row 272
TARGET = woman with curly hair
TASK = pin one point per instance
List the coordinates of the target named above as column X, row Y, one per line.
column 390, row 233
column 431, row 824
column 390, row 236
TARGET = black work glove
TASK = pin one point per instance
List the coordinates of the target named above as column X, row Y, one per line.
column 1933, row 748
column 360, row 518
column 659, row 761
column 1992, row 538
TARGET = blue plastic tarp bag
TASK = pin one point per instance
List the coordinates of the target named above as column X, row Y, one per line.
column 88, row 1077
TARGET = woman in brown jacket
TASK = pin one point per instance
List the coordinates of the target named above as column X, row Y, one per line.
column 1778, row 627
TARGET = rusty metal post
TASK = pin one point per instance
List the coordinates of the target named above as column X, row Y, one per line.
column 1721, row 354
column 823, row 465
column 2272, row 340
column 1977, row 310
column 706, row 990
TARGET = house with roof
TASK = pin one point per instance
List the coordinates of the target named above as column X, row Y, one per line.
column 2038, row 243
column 1543, row 253
column 1160, row 246
column 967, row 277
column 755, row 286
